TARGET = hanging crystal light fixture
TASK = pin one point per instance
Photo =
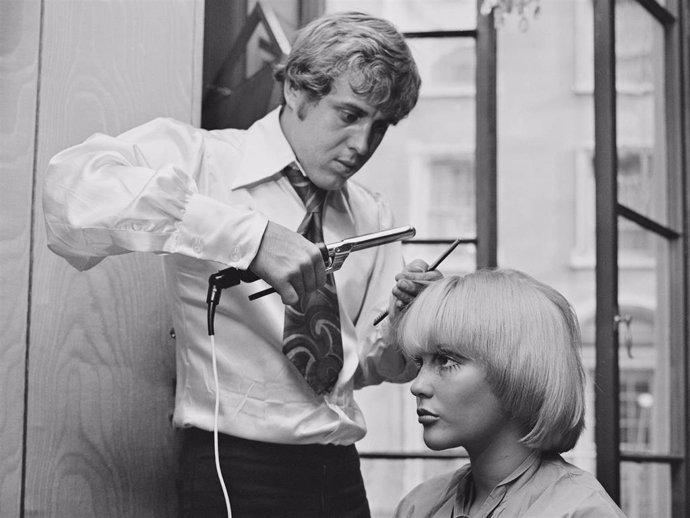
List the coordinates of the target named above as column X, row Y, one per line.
column 502, row 8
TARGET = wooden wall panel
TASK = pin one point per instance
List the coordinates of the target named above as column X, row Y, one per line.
column 19, row 36
column 101, row 377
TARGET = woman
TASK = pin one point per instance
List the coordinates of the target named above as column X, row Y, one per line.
column 500, row 375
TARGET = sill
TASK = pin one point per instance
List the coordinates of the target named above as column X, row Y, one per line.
column 455, row 453
column 631, row 90
column 586, row 261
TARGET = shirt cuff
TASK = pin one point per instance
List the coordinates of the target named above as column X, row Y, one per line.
column 214, row 231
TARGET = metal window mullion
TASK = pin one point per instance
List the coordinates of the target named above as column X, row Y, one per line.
column 674, row 68
column 469, row 33
column 646, row 457
column 683, row 37
column 486, row 141
column 308, row 10
column 658, row 11
column 647, row 223
column 607, row 427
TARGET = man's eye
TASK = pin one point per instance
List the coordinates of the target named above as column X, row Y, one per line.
column 348, row 117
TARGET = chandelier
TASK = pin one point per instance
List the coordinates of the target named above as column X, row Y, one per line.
column 502, row 8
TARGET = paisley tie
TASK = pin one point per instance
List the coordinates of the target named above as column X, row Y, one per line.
column 311, row 336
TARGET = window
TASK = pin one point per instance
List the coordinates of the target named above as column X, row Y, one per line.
column 450, row 206
column 636, row 408
column 640, row 402
column 425, row 168
column 443, row 191
column 635, row 185
column 634, row 46
column 446, row 64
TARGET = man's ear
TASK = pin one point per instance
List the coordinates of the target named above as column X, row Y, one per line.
column 291, row 95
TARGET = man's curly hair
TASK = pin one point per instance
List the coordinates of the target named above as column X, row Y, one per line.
column 370, row 50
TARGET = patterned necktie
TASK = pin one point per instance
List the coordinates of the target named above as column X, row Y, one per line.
column 311, row 336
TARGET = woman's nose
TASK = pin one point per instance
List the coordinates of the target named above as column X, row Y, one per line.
column 421, row 386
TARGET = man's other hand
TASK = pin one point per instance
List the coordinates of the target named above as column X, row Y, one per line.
column 409, row 283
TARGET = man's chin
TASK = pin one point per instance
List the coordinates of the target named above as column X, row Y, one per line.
column 331, row 183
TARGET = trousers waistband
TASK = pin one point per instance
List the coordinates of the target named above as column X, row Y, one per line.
column 196, row 436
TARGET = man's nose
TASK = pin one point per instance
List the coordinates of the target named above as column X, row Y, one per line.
column 359, row 139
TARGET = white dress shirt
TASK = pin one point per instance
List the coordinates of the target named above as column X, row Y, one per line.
column 203, row 199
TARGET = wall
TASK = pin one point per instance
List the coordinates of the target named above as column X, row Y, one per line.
column 86, row 359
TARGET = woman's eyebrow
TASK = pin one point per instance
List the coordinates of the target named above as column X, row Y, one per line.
column 451, row 352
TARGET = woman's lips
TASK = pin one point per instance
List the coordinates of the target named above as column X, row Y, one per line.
column 426, row 417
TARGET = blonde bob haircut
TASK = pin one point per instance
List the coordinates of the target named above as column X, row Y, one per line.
column 526, row 336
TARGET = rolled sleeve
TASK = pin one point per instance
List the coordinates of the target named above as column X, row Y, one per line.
column 139, row 192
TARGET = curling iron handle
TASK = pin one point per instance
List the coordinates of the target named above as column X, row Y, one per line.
column 334, row 254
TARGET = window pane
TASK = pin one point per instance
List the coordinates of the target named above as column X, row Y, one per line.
column 416, row 15
column 447, row 65
column 645, row 489
column 641, row 111
column 637, row 402
column 645, row 355
column 431, row 152
column 635, row 245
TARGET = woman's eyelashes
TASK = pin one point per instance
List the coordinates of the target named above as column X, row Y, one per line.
column 440, row 360
column 444, row 361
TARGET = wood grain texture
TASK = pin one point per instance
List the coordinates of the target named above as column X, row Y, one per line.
column 101, row 378
column 19, row 36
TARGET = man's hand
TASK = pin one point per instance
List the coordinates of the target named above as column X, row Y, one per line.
column 289, row 262
column 409, row 283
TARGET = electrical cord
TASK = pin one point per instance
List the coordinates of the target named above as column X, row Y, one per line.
column 216, row 283
column 215, row 428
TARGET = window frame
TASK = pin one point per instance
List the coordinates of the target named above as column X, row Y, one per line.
column 674, row 19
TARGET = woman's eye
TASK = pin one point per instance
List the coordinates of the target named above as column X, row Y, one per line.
column 446, row 362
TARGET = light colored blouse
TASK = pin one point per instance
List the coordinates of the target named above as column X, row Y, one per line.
column 202, row 200
column 541, row 487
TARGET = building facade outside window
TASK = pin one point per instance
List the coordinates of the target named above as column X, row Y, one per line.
column 425, row 167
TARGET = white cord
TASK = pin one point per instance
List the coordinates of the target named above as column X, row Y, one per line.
column 215, row 428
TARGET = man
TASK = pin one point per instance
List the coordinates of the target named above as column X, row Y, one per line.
column 210, row 200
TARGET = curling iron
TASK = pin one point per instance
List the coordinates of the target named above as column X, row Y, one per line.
column 334, row 255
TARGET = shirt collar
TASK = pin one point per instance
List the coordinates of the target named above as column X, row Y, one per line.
column 266, row 151
column 464, row 494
